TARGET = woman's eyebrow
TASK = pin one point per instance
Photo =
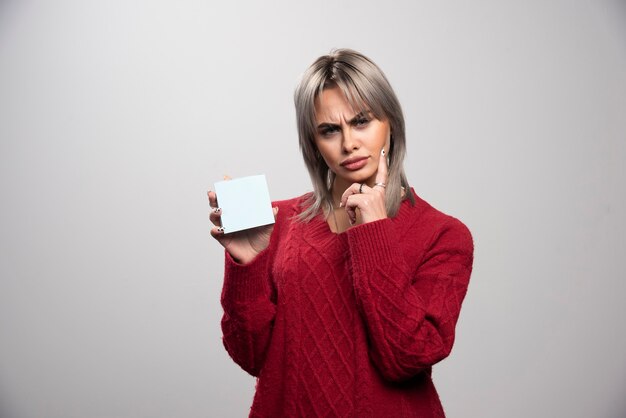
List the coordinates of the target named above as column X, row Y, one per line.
column 358, row 116
column 327, row 125
column 352, row 121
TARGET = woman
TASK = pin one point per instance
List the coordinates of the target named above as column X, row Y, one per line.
column 344, row 304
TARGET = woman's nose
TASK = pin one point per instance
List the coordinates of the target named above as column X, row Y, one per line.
column 349, row 141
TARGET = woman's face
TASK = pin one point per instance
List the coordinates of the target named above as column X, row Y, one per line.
column 349, row 142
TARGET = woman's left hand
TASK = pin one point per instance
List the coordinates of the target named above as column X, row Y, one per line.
column 369, row 200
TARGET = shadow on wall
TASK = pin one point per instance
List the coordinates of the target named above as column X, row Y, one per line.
column 617, row 11
column 7, row 11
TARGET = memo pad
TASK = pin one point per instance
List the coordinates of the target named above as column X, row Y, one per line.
column 245, row 203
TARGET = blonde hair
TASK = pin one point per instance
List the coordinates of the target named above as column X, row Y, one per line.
column 366, row 88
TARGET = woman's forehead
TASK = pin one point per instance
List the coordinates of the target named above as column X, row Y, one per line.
column 332, row 104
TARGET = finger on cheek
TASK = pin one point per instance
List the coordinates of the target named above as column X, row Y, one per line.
column 381, row 175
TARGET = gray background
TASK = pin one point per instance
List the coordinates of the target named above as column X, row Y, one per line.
column 115, row 117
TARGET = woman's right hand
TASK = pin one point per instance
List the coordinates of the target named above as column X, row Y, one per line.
column 243, row 246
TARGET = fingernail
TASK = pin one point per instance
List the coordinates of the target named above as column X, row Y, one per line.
column 340, row 204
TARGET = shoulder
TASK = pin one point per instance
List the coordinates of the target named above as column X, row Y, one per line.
column 437, row 224
column 294, row 202
column 293, row 206
column 288, row 209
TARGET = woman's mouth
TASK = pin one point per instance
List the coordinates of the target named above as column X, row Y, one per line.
column 353, row 164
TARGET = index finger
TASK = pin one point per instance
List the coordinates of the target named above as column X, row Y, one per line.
column 212, row 199
column 381, row 174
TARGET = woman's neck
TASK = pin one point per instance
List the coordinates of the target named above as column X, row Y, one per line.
column 337, row 192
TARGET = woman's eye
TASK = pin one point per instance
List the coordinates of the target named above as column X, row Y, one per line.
column 362, row 121
column 329, row 130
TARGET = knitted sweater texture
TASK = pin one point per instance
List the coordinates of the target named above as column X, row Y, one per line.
column 350, row 324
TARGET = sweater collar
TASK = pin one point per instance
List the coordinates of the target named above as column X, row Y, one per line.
column 319, row 230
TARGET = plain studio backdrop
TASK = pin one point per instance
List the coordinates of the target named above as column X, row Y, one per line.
column 115, row 118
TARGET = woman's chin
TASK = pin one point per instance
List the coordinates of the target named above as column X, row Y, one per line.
column 359, row 176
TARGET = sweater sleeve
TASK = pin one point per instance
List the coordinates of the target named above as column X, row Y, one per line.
column 249, row 309
column 410, row 310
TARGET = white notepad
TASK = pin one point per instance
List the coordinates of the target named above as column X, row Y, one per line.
column 245, row 203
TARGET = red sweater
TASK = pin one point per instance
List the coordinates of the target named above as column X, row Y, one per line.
column 348, row 325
